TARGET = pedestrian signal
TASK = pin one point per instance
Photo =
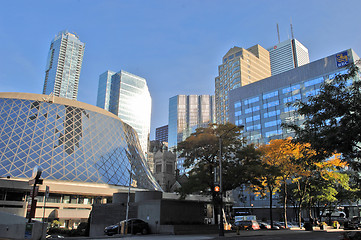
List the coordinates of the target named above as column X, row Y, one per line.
column 216, row 188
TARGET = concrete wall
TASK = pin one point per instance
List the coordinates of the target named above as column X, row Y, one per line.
column 149, row 211
column 104, row 215
column 12, row 226
column 182, row 212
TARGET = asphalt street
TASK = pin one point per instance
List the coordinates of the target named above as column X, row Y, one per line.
column 244, row 235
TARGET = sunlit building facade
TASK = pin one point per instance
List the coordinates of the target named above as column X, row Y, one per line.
column 127, row 96
column 63, row 66
column 186, row 114
column 287, row 55
column 239, row 67
column 262, row 107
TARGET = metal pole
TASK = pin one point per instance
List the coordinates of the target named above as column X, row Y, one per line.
column 221, row 227
column 127, row 213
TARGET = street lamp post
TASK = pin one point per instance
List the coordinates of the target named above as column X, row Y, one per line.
column 221, row 227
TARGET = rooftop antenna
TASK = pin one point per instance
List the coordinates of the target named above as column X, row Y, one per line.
column 278, row 33
column 291, row 29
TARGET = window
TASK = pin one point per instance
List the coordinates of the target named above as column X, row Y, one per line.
column 292, row 98
column 238, row 122
column 271, row 114
column 238, row 113
column 271, row 104
column 314, row 82
column 253, row 118
column 251, row 100
column 312, row 92
column 332, row 76
column 269, row 95
column 272, row 123
column 252, row 109
column 272, row 133
column 289, row 109
column 253, row 127
column 291, row 88
column 237, row 104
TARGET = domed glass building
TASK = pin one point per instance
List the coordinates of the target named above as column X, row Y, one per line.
column 70, row 140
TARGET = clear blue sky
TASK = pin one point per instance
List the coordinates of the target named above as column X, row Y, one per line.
column 175, row 44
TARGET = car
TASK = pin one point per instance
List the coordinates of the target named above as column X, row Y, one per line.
column 264, row 225
column 246, row 225
column 135, row 226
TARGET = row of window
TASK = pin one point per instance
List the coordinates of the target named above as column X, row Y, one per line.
column 284, row 90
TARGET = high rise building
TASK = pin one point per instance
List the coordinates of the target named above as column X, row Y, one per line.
column 105, row 81
column 63, row 66
column 186, row 114
column 264, row 105
column 161, row 134
column 127, row 96
column 239, row 67
column 287, row 55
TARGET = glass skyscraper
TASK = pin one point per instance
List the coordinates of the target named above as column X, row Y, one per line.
column 127, row 96
column 63, row 66
column 186, row 114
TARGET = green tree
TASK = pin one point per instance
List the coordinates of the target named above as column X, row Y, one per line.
column 201, row 154
column 333, row 118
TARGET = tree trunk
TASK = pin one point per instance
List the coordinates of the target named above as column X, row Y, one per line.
column 299, row 215
column 270, row 208
column 285, row 205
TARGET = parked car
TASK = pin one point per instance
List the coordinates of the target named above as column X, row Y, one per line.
column 264, row 225
column 135, row 226
column 246, row 225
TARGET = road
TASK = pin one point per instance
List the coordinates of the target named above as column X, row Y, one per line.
column 244, row 235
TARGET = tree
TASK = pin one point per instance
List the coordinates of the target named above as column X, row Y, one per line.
column 201, row 154
column 333, row 118
column 277, row 167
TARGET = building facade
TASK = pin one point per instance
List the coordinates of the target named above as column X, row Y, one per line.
column 164, row 169
column 262, row 107
column 287, row 55
column 127, row 96
column 161, row 134
column 186, row 114
column 239, row 67
column 63, row 66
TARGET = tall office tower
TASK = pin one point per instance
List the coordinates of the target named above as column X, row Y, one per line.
column 161, row 134
column 287, row 55
column 63, row 65
column 239, row 67
column 105, row 81
column 127, row 96
column 186, row 114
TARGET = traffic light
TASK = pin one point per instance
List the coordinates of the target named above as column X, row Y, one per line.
column 216, row 188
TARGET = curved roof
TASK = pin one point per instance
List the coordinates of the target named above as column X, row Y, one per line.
column 57, row 100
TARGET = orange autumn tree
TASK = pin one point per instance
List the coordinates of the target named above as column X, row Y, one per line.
column 278, row 165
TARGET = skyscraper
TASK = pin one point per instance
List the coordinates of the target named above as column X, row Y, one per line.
column 63, row 66
column 186, row 114
column 161, row 134
column 287, row 55
column 127, row 96
column 239, row 67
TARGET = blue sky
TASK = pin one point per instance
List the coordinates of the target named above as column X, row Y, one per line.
column 175, row 44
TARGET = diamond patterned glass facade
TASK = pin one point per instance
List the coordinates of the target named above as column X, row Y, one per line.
column 69, row 142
